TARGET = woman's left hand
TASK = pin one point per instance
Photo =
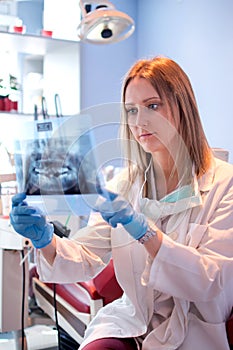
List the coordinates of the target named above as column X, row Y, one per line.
column 116, row 210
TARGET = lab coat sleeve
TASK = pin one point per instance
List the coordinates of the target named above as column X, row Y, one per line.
column 199, row 272
column 80, row 258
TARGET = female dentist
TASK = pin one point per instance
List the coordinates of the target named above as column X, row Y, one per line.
column 166, row 221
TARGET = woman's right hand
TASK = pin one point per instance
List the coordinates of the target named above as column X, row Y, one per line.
column 30, row 222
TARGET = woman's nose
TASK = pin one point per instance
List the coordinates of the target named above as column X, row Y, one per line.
column 141, row 120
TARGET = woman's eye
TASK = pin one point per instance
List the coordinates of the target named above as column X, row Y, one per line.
column 131, row 110
column 153, row 106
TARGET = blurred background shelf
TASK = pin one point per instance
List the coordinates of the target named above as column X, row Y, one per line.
column 33, row 44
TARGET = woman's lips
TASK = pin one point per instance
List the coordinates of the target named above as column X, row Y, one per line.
column 142, row 136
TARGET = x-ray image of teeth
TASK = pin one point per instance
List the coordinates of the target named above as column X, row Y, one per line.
column 56, row 164
column 54, row 170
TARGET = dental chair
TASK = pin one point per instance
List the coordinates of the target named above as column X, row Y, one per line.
column 77, row 303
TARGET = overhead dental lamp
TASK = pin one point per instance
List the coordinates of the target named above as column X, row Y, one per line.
column 104, row 24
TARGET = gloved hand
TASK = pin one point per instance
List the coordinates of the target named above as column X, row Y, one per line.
column 116, row 210
column 30, row 222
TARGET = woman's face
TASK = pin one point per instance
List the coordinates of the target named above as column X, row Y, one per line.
column 149, row 118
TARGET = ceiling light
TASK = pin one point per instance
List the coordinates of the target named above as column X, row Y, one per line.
column 104, row 24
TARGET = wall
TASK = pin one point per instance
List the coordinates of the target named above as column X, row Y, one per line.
column 31, row 13
column 103, row 66
column 198, row 35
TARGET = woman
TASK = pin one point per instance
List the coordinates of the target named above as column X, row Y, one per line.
column 176, row 200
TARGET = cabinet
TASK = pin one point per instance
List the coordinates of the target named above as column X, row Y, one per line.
column 56, row 61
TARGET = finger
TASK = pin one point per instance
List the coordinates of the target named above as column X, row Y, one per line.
column 117, row 205
column 23, row 210
column 26, row 219
column 18, row 199
column 106, row 217
column 110, row 220
column 28, row 232
column 120, row 218
column 105, row 207
column 110, row 196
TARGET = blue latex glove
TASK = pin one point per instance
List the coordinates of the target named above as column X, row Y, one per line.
column 116, row 210
column 30, row 222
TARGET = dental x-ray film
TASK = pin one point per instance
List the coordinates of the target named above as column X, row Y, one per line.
column 57, row 157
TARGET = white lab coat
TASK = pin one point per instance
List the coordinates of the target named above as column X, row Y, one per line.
column 182, row 298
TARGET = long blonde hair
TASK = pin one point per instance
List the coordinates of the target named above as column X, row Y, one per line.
column 173, row 86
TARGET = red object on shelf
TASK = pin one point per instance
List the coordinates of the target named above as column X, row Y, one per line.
column 10, row 105
column 14, row 105
column 19, row 29
column 2, row 104
column 48, row 33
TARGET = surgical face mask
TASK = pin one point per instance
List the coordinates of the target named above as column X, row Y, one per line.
column 178, row 201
